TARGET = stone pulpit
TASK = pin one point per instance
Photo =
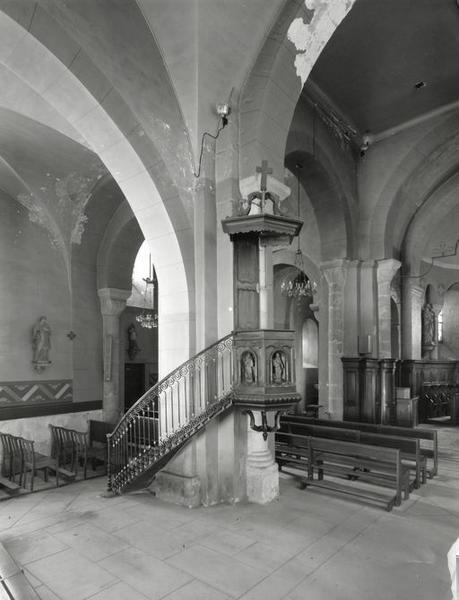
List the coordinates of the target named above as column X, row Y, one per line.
column 264, row 358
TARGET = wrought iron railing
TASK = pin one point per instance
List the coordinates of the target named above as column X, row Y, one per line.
column 164, row 418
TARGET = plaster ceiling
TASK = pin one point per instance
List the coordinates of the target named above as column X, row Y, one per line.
column 381, row 50
column 444, row 240
column 208, row 46
column 49, row 173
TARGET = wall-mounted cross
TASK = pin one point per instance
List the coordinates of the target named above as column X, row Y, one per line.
column 265, row 171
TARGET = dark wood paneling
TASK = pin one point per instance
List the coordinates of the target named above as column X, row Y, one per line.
column 25, row 411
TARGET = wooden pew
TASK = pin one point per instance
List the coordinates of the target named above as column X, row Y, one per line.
column 409, row 448
column 429, row 435
column 349, row 460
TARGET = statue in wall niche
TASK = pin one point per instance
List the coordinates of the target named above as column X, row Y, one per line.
column 428, row 325
column 41, row 344
column 247, row 368
column 133, row 347
column 278, row 367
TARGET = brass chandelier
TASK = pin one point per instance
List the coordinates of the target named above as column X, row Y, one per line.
column 300, row 285
column 148, row 318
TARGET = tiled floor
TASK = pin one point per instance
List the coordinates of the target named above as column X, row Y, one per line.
column 74, row 545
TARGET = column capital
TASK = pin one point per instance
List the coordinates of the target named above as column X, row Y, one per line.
column 113, row 301
column 335, row 270
column 416, row 291
column 386, row 269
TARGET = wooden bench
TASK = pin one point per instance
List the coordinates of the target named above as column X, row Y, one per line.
column 426, row 435
column 409, row 448
column 357, row 463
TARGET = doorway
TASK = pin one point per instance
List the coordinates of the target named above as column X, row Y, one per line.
column 134, row 383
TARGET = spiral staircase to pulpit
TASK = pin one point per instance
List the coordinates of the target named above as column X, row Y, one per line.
column 164, row 419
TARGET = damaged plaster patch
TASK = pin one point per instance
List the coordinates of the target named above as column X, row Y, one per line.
column 40, row 216
column 309, row 38
column 60, row 206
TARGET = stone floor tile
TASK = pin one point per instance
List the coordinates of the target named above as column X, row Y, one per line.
column 91, row 542
column 114, row 518
column 350, row 575
column 218, row 570
column 71, row 576
column 146, row 574
column 28, row 548
column 152, row 539
column 119, row 591
column 45, row 593
column 34, row 582
column 264, row 557
column 196, row 590
column 279, row 583
column 227, row 542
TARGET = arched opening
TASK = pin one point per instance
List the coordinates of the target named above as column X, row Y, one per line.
column 310, row 364
column 139, row 341
column 299, row 313
column 449, row 344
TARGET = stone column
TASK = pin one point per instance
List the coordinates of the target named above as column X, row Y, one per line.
column 412, row 302
column 335, row 275
column 112, row 304
column 368, row 309
column 262, row 473
column 386, row 269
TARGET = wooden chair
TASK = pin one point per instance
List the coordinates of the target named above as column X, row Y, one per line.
column 34, row 461
column 96, row 449
column 74, row 448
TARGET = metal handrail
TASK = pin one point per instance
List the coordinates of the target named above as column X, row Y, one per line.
column 169, row 413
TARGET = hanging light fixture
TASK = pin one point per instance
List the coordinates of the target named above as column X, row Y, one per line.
column 300, row 285
column 148, row 318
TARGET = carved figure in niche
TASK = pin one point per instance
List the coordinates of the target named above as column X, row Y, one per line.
column 428, row 325
column 133, row 347
column 278, row 367
column 41, row 343
column 247, row 368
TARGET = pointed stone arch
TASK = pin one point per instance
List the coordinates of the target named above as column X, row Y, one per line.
column 273, row 86
column 162, row 204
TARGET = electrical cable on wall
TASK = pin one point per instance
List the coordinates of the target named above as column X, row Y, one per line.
column 223, row 112
column 224, row 122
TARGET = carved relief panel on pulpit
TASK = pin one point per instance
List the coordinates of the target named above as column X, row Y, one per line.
column 248, row 364
column 279, row 367
column 264, row 373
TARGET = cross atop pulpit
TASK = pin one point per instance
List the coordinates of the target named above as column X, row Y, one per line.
column 262, row 201
column 265, row 171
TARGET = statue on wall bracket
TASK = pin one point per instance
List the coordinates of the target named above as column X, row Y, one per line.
column 41, row 344
column 133, row 347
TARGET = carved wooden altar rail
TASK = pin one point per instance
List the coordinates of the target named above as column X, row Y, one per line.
column 436, row 382
column 158, row 425
column 439, row 400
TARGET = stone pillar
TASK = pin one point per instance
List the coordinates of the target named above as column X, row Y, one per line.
column 368, row 308
column 412, row 303
column 386, row 269
column 335, row 275
column 351, row 310
column 262, row 472
column 112, row 304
